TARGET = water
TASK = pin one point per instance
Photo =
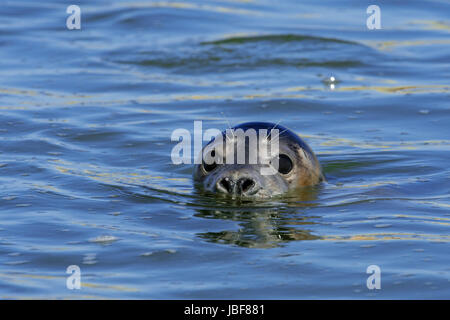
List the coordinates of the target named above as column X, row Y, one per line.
column 86, row 177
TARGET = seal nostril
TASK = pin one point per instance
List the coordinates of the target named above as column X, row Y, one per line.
column 246, row 184
column 226, row 184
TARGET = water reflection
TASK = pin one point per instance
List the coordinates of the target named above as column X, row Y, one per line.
column 261, row 224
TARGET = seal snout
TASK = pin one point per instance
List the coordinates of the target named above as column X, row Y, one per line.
column 242, row 186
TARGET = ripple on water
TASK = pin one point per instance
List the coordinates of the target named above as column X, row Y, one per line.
column 104, row 239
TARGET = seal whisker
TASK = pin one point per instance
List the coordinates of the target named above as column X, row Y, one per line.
column 279, row 133
column 229, row 126
column 270, row 131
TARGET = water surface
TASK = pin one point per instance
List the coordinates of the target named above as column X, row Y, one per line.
column 86, row 176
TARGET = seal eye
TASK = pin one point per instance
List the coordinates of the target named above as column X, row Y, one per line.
column 285, row 164
column 210, row 167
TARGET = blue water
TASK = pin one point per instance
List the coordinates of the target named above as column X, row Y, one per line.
column 86, row 178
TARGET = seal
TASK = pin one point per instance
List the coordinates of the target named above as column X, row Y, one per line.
column 292, row 167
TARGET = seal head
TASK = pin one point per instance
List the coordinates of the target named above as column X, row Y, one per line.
column 255, row 170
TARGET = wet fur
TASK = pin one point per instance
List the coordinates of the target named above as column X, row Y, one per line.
column 306, row 172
